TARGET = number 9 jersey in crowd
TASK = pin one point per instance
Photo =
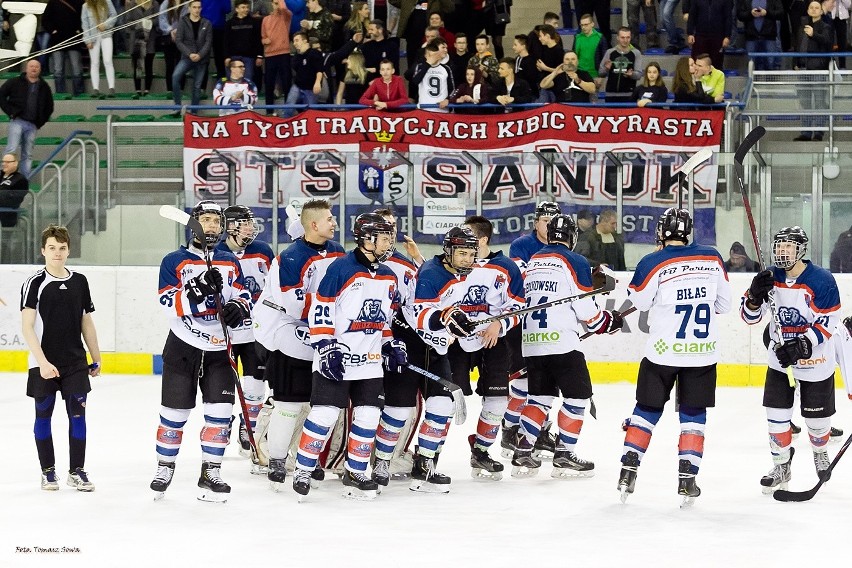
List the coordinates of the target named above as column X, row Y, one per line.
column 198, row 324
column 682, row 287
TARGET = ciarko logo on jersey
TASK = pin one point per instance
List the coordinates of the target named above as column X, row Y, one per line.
column 541, row 337
column 695, row 347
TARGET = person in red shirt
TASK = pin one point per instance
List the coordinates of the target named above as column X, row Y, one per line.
column 386, row 91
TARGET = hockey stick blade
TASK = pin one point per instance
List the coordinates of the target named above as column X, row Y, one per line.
column 270, row 304
column 179, row 216
column 748, row 143
column 455, row 391
column 799, row 496
column 694, row 161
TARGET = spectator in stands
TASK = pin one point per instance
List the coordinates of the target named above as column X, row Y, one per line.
column 589, row 45
column 319, row 24
column 142, row 34
column 841, row 254
column 275, row 37
column 760, row 20
column 433, row 78
column 387, row 91
column 236, row 89
column 511, row 90
column 651, row 89
column 813, row 37
column 170, row 15
column 298, row 8
column 194, row 40
column 622, row 67
column 569, row 83
column 708, row 28
column 649, row 13
column 13, row 189
column 525, row 64
column 585, row 221
column 739, row 260
column 429, row 34
column 551, row 54
column 98, row 20
column 711, row 80
column 379, row 46
column 413, row 19
column 490, row 17
column 459, row 57
column 62, row 20
column 28, row 101
column 307, row 73
column 242, row 39
column 603, row 244
column 358, row 21
column 483, row 59
column 474, row 90
column 216, row 12
column 684, row 85
column 838, row 13
column 436, row 20
column 601, row 10
column 534, row 45
column 673, row 32
column 354, row 73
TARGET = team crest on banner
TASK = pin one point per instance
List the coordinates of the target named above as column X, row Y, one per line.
column 381, row 171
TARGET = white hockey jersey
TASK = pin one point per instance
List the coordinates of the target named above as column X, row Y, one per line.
column 810, row 305
column 293, row 279
column 843, row 351
column 552, row 273
column 431, row 295
column 682, row 288
column 406, row 280
column 255, row 261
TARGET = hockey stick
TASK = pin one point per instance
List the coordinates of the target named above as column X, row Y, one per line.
column 687, row 167
column 605, row 289
column 455, row 391
column 799, row 496
column 747, row 144
column 182, row 217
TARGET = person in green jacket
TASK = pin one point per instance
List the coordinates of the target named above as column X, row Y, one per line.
column 589, row 46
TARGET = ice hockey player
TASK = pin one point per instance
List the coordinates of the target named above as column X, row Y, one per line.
column 493, row 287
column 195, row 354
column 241, row 229
column 521, row 251
column 551, row 348
column 56, row 308
column 808, row 306
column 683, row 286
column 292, row 284
column 439, row 322
column 350, row 318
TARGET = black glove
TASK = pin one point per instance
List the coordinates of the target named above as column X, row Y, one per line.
column 331, row 359
column 395, row 356
column 207, row 283
column 792, row 350
column 612, row 322
column 761, row 284
column 234, row 312
column 456, row 322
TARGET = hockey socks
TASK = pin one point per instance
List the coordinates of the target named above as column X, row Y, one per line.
column 254, row 391
column 639, row 430
column 436, row 424
column 170, row 432
column 315, row 432
column 690, row 446
column 780, row 433
column 391, row 423
column 361, row 436
column 216, row 431
column 42, row 431
column 516, row 403
column 570, row 422
column 534, row 415
column 493, row 409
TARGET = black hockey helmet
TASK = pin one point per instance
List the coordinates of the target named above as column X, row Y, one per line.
column 459, row 238
column 547, row 209
column 237, row 216
column 207, row 207
column 796, row 235
column 367, row 226
column 562, row 229
column 674, row 225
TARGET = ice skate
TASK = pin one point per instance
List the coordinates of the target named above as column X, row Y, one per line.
column 49, row 481
column 161, row 482
column 213, row 488
column 686, row 484
column 302, row 482
column 509, row 440
column 245, row 444
column 483, row 466
column 425, row 479
column 524, row 464
column 317, row 477
column 545, row 444
column 779, row 476
column 277, row 474
column 358, row 486
column 567, row 464
column 821, row 462
column 381, row 474
column 79, row 479
column 836, row 434
column 627, row 479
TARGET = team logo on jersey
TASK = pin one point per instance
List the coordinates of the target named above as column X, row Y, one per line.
column 474, row 300
column 792, row 321
column 407, row 277
column 499, row 281
column 370, row 319
column 253, row 287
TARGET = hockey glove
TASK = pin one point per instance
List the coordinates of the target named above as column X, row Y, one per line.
column 456, row 322
column 761, row 284
column 395, row 355
column 207, row 283
column 612, row 322
column 331, row 359
column 791, row 351
column 234, row 313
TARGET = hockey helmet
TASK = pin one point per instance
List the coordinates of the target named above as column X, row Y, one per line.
column 367, row 227
column 236, row 218
column 459, row 238
column 781, row 255
column 207, row 207
column 674, row 225
column 562, row 229
column 547, row 209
